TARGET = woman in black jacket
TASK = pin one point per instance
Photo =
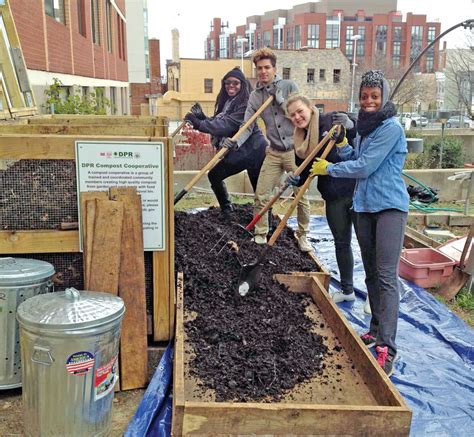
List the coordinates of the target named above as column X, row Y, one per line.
column 229, row 114
column 310, row 127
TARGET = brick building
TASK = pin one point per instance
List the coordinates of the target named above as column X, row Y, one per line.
column 80, row 42
column 384, row 40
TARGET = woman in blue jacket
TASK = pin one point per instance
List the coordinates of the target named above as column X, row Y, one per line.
column 380, row 203
column 231, row 103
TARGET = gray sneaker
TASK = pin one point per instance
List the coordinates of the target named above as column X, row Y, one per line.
column 260, row 239
column 339, row 296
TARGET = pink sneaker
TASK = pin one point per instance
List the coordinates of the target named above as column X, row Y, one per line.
column 385, row 359
column 368, row 339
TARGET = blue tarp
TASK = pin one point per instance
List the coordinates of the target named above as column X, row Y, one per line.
column 434, row 372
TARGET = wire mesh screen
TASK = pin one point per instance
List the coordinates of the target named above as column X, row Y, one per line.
column 37, row 194
column 70, row 271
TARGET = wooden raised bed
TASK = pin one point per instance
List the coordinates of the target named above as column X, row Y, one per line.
column 359, row 400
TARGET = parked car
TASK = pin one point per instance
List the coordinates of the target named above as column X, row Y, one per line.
column 459, row 121
column 417, row 120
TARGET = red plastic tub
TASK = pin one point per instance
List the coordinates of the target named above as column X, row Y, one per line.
column 426, row 267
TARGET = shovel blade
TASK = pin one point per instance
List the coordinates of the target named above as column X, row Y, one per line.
column 249, row 277
column 453, row 284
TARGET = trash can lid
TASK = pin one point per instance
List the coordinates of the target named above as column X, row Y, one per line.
column 70, row 309
column 23, row 271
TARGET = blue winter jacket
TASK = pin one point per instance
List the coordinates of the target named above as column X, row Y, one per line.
column 376, row 162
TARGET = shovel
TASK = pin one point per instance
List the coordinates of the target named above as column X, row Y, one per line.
column 221, row 153
column 458, row 279
column 250, row 273
column 284, row 186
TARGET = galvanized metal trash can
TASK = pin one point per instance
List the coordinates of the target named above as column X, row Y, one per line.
column 20, row 279
column 69, row 348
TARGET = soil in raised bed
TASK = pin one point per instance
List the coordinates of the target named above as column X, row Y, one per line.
column 251, row 348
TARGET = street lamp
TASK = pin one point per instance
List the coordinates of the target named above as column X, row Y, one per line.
column 242, row 41
column 443, row 117
column 354, row 38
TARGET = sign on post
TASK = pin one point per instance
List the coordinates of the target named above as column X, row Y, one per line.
column 104, row 164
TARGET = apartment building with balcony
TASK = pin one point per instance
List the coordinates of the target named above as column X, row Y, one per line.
column 373, row 28
column 80, row 42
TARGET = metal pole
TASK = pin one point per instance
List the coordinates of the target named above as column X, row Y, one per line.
column 468, row 195
column 468, row 23
column 351, row 109
column 441, row 147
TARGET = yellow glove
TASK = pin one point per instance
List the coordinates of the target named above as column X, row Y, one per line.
column 319, row 167
column 340, row 137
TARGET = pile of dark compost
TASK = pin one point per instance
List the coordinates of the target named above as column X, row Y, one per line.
column 252, row 348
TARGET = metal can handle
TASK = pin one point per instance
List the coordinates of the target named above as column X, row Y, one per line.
column 49, row 286
column 72, row 293
column 38, row 355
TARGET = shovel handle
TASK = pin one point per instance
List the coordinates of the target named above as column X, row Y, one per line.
column 284, row 186
column 467, row 245
column 222, row 152
column 181, row 125
column 297, row 198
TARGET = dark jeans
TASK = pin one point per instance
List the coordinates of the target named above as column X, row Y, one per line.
column 380, row 238
column 246, row 158
column 340, row 218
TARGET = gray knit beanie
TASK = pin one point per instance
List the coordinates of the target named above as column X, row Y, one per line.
column 375, row 78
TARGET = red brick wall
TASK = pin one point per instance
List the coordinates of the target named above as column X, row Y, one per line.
column 28, row 17
column 137, row 96
column 155, row 66
column 51, row 46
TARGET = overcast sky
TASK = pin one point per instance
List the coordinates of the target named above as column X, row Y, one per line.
column 193, row 19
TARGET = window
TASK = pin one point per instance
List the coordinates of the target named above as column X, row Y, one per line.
column 266, row 39
column 208, row 86
column 430, row 62
column 121, row 37
column 223, row 46
column 278, row 38
column 212, row 49
column 322, row 75
column 336, row 76
column 313, row 35
column 297, row 37
column 349, row 42
column 360, row 50
column 416, row 42
column 397, row 33
column 332, row 33
column 81, row 17
column 108, row 23
column 396, row 54
column 95, row 22
column 310, row 75
column 431, row 33
column 259, row 40
column 55, row 9
column 286, row 73
column 289, row 38
column 381, row 40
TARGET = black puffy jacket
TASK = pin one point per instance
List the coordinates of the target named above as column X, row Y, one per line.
column 331, row 188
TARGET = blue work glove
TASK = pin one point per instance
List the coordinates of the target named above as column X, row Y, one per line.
column 191, row 118
column 342, row 119
column 292, row 179
column 230, row 144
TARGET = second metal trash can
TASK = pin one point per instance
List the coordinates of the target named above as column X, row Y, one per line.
column 69, row 347
column 20, row 279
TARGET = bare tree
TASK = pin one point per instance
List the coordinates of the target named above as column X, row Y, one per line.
column 459, row 74
column 414, row 89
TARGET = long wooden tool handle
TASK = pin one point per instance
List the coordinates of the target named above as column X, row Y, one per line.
column 297, row 198
column 181, row 125
column 284, row 186
column 466, row 247
column 221, row 153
